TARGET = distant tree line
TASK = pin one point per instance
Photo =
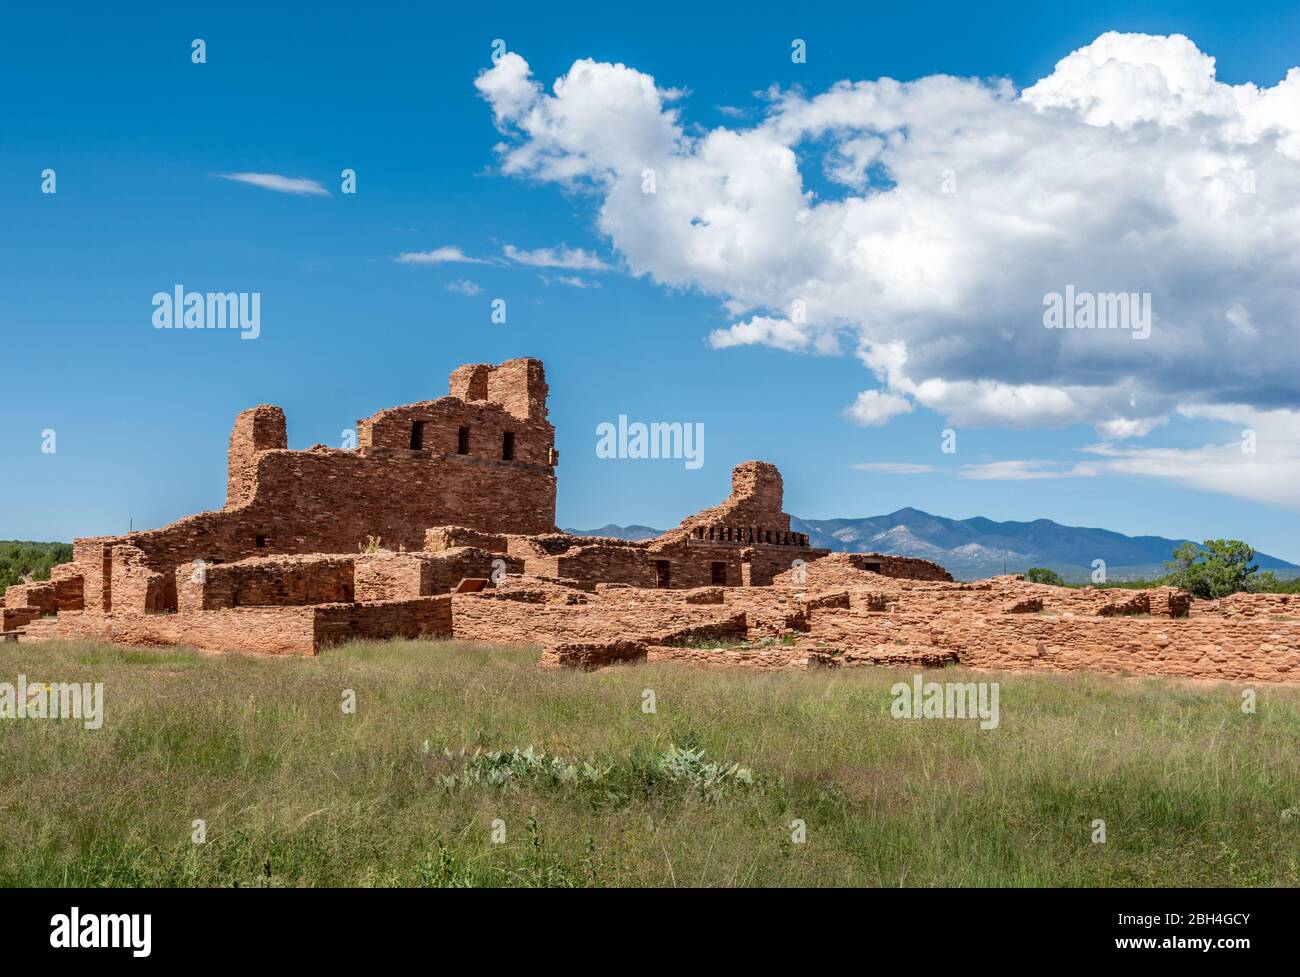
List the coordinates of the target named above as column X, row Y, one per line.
column 1215, row 568
column 19, row 559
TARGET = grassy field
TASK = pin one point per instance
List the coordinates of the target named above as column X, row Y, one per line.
column 294, row 791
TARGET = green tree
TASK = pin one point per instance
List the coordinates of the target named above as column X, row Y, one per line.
column 1044, row 575
column 19, row 559
column 1216, row 568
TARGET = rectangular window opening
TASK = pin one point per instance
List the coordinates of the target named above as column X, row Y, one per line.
column 719, row 574
column 508, row 446
column 462, row 441
column 417, row 435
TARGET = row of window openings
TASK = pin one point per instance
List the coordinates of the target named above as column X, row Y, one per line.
column 741, row 534
column 462, row 441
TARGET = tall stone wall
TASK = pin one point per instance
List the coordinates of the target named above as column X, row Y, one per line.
column 486, row 464
column 755, row 501
column 257, row 429
column 275, row 581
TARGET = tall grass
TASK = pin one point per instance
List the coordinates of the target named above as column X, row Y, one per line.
column 296, row 792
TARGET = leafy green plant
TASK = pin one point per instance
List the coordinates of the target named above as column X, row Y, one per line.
column 1044, row 575
column 678, row 767
column 1216, row 568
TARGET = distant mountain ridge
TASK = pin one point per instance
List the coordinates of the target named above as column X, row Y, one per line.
column 631, row 533
column 979, row 547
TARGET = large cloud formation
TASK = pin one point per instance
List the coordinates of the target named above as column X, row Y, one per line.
column 949, row 208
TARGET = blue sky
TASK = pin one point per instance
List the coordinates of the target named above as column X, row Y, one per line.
column 138, row 136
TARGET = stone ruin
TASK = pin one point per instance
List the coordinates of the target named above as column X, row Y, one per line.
column 442, row 524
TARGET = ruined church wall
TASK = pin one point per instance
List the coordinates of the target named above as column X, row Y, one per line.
column 331, row 501
column 755, row 500
column 486, row 425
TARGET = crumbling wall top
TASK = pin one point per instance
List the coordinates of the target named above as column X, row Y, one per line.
column 755, row 502
column 518, row 386
column 260, row 428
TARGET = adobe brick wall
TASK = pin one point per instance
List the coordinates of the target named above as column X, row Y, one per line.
column 600, row 563
column 41, row 596
column 488, row 617
column 137, row 588
column 452, row 537
column 1187, row 648
column 1279, row 606
column 433, row 481
column 264, row 630
column 387, row 576
column 257, row 429
column 13, row 618
column 849, row 569
column 769, row 659
column 92, row 560
column 283, row 581
column 689, row 559
column 519, row 386
column 327, row 500
column 591, row 655
column 419, row 617
column 1169, row 602
column 69, row 587
column 755, row 502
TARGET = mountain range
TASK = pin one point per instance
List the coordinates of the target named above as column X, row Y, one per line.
column 979, row 547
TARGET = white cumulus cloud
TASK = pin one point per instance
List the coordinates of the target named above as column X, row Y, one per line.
column 956, row 206
column 874, row 408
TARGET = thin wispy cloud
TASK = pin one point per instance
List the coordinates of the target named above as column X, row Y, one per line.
column 280, row 184
column 574, row 259
column 1022, row 470
column 448, row 254
column 463, row 286
column 573, row 281
column 1260, row 463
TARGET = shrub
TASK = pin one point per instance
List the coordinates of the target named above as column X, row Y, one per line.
column 1216, row 568
column 1044, row 575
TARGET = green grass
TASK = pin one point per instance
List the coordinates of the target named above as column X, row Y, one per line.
column 295, row 792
